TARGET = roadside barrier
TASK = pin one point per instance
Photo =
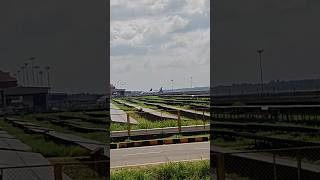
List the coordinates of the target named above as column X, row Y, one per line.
column 157, row 142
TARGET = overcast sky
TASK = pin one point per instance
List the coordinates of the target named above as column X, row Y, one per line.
column 69, row 36
column 155, row 41
column 288, row 31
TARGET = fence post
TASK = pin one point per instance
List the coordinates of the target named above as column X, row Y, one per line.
column 220, row 167
column 128, row 125
column 1, row 174
column 203, row 120
column 179, row 122
column 58, row 172
column 299, row 164
column 162, row 120
column 274, row 166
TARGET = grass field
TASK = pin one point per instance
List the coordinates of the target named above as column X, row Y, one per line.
column 144, row 123
column 183, row 170
column 229, row 116
column 187, row 103
column 76, row 169
column 98, row 136
column 40, row 145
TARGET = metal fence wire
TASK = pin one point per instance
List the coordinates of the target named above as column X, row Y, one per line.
column 98, row 170
column 275, row 164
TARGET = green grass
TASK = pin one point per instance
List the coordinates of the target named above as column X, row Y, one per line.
column 189, row 136
column 236, row 143
column 78, row 170
column 144, row 123
column 123, row 107
column 187, row 102
column 183, row 170
column 40, row 145
column 297, row 136
column 187, row 105
column 98, row 136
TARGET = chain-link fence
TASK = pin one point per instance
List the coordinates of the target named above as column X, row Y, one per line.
column 97, row 170
column 283, row 164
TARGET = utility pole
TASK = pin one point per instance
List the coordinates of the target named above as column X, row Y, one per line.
column 191, row 81
column 260, row 51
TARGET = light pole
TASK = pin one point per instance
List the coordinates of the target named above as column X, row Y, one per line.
column 27, row 73
column 23, row 76
column 48, row 75
column 117, row 84
column 19, row 78
column 32, row 69
column 260, row 51
column 37, row 73
column 41, row 79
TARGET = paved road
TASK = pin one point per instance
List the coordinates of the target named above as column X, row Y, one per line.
column 159, row 154
column 118, row 115
column 150, row 111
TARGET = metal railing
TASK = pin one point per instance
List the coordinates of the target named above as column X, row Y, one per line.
column 160, row 122
column 288, row 163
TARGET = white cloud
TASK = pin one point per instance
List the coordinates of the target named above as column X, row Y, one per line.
column 159, row 37
column 138, row 32
column 201, row 7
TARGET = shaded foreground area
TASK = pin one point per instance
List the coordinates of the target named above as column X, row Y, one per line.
column 63, row 151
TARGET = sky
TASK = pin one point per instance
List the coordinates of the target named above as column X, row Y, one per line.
column 156, row 41
column 69, row 36
column 287, row 30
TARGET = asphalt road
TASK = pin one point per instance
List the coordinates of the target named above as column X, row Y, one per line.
column 159, row 154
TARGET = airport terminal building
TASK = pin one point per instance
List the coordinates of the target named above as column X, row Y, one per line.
column 14, row 98
column 116, row 92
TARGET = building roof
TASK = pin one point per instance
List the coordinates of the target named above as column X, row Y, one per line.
column 5, row 77
column 7, row 81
